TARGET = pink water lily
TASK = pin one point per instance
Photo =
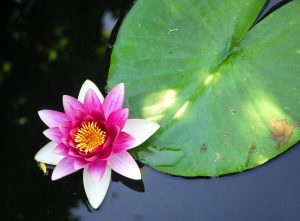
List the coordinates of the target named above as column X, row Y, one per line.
column 93, row 134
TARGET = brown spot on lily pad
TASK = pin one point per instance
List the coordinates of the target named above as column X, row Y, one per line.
column 203, row 148
column 281, row 132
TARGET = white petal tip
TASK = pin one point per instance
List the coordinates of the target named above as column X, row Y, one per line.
column 121, row 85
column 87, row 81
column 96, row 191
column 156, row 126
column 53, row 178
column 88, row 84
column 133, row 176
column 95, row 205
column 124, row 164
column 47, row 154
column 140, row 129
column 36, row 157
column 40, row 113
column 136, row 176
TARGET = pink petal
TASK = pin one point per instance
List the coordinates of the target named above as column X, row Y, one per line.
column 99, row 116
column 65, row 127
column 61, row 149
column 124, row 164
column 80, row 163
column 123, row 142
column 112, row 132
column 65, row 140
column 64, row 167
column 97, row 169
column 52, row 118
column 72, row 106
column 118, row 117
column 73, row 152
column 53, row 134
column 92, row 102
column 114, row 100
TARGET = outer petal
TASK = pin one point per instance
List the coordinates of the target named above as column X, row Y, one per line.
column 54, row 134
column 47, row 154
column 96, row 191
column 85, row 87
column 72, row 106
column 64, row 167
column 52, row 118
column 140, row 129
column 118, row 117
column 114, row 100
column 123, row 142
column 61, row 149
column 124, row 164
column 65, row 127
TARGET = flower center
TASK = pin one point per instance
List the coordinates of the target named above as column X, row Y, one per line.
column 89, row 137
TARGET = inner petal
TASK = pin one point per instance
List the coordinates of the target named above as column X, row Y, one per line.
column 89, row 136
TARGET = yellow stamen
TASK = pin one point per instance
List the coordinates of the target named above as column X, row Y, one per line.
column 89, row 137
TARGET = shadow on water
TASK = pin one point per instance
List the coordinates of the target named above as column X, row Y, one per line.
column 47, row 49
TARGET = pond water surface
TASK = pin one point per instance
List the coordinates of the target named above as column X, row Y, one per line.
column 48, row 48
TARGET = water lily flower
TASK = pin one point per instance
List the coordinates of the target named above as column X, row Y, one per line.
column 93, row 134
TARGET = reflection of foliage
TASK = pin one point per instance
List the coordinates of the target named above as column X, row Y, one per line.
column 5, row 70
column 47, row 49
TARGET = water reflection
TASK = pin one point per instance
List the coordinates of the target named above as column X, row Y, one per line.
column 252, row 195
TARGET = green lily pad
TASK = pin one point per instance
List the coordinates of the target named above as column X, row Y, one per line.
column 227, row 98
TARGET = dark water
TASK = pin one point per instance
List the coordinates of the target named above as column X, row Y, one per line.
column 47, row 49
